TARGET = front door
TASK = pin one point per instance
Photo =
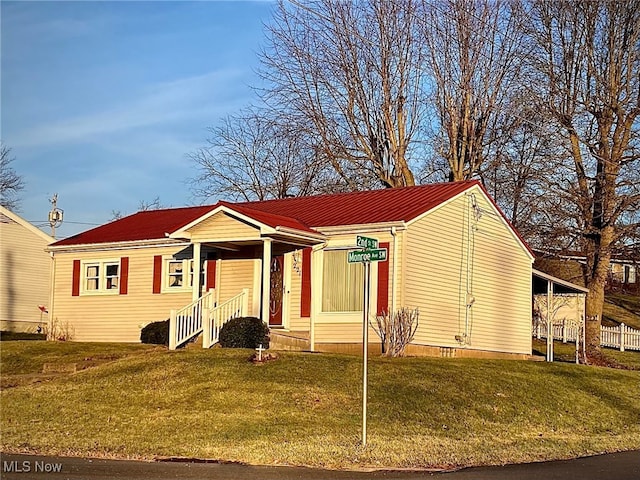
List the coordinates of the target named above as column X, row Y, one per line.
column 277, row 287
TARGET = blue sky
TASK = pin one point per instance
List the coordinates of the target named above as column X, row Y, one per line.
column 101, row 101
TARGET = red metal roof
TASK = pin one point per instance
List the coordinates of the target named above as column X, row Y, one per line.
column 149, row 225
column 299, row 213
column 371, row 206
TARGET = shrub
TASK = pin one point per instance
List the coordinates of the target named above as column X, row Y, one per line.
column 156, row 333
column 396, row 331
column 244, row 332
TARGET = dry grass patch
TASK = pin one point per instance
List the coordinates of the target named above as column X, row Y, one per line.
column 304, row 409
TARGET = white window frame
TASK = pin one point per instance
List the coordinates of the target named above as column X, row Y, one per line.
column 317, row 260
column 101, row 277
column 358, row 310
column 187, row 275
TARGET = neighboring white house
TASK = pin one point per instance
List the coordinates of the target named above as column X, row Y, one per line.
column 25, row 273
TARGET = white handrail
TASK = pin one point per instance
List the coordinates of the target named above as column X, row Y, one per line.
column 215, row 318
column 186, row 323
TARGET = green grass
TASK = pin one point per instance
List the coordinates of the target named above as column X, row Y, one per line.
column 622, row 308
column 566, row 352
column 22, row 361
column 304, row 409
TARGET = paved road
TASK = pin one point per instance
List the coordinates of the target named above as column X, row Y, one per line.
column 617, row 466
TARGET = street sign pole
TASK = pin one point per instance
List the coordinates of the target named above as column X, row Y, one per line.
column 365, row 349
column 369, row 252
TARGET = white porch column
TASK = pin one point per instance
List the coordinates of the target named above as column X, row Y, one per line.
column 266, row 279
column 197, row 267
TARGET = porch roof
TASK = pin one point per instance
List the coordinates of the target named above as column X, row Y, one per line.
column 541, row 279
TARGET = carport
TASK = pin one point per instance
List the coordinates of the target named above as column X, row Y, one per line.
column 555, row 299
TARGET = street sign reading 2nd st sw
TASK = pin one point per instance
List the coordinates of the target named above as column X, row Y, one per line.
column 366, row 243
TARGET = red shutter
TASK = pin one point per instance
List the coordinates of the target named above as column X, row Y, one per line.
column 124, row 275
column 75, row 282
column 383, row 283
column 305, row 300
column 157, row 273
column 211, row 274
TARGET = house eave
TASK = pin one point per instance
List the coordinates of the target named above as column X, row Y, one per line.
column 362, row 228
column 299, row 234
column 131, row 244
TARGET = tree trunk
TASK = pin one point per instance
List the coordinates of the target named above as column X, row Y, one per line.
column 597, row 269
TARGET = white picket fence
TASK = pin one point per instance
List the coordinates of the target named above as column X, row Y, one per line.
column 621, row 337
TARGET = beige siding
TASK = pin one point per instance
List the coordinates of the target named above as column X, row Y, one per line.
column 442, row 256
column 236, row 275
column 114, row 317
column 222, row 227
column 25, row 270
column 343, row 333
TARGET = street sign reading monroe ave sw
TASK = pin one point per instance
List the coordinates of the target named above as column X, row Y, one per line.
column 377, row 255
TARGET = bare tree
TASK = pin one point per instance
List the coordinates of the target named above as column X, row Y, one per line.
column 353, row 72
column 475, row 60
column 514, row 174
column 154, row 204
column 143, row 206
column 11, row 184
column 257, row 155
column 587, row 60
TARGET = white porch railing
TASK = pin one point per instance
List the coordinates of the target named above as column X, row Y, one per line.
column 214, row 319
column 622, row 337
column 186, row 323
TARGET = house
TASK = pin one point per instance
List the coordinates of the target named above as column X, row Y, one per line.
column 25, row 272
column 623, row 268
column 452, row 254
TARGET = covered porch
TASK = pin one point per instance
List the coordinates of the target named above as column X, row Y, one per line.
column 241, row 267
column 558, row 309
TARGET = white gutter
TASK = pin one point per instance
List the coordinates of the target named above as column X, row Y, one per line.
column 86, row 247
column 362, row 228
column 301, row 234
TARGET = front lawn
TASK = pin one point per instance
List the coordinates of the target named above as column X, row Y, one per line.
column 304, row 409
column 622, row 308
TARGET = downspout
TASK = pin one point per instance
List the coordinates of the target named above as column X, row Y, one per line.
column 394, row 282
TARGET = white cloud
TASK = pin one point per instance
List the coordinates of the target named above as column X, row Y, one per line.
column 182, row 99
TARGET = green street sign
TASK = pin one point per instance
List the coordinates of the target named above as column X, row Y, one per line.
column 366, row 242
column 359, row 256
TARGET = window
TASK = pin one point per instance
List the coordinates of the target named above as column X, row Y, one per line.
column 342, row 283
column 101, row 276
column 179, row 274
